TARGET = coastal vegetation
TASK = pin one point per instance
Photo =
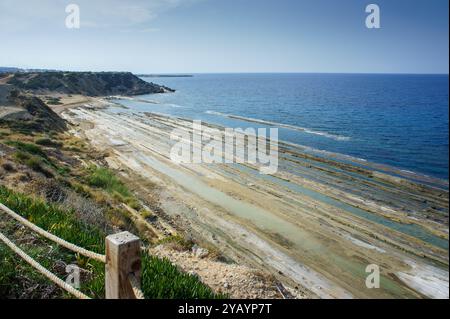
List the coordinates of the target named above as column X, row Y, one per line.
column 60, row 184
column 160, row 279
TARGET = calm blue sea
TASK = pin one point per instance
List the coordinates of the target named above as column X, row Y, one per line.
column 399, row 120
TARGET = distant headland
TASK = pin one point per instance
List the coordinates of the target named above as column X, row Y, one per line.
column 165, row 75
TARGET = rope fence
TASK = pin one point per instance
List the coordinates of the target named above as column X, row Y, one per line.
column 135, row 285
column 122, row 274
column 42, row 270
column 52, row 237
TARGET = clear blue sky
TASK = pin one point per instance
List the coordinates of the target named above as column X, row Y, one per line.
column 195, row 36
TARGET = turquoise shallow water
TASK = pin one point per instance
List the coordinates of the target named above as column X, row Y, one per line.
column 398, row 120
column 409, row 229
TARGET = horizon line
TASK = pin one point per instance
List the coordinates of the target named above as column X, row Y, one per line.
column 234, row 72
column 281, row 72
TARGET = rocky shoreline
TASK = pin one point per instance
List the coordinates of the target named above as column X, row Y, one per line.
column 287, row 225
column 292, row 223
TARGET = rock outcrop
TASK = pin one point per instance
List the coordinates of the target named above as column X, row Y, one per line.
column 28, row 113
column 84, row 83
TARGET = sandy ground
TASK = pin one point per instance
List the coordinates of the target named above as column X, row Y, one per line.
column 71, row 101
column 236, row 281
column 9, row 110
column 316, row 224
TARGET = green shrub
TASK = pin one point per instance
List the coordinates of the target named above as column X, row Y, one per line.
column 21, row 156
column 64, row 170
column 74, row 149
column 54, row 101
column 160, row 279
column 34, row 157
column 37, row 165
column 177, row 242
column 4, row 134
column 28, row 148
column 33, row 162
column 48, row 142
column 103, row 178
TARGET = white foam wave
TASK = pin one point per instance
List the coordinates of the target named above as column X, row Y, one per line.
column 281, row 125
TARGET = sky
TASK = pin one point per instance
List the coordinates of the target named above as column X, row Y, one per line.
column 218, row 36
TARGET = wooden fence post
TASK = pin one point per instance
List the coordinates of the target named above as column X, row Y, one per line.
column 123, row 257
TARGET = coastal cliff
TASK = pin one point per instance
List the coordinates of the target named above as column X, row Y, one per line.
column 25, row 97
column 83, row 83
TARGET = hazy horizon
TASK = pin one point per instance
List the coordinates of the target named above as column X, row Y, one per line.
column 224, row 72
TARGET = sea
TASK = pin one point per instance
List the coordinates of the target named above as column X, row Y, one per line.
column 396, row 120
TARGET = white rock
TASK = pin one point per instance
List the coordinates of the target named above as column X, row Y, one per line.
column 199, row 252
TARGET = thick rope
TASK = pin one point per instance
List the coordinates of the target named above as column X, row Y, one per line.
column 52, row 237
column 42, row 270
column 136, row 286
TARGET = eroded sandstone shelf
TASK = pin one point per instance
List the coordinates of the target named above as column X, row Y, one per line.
column 316, row 223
